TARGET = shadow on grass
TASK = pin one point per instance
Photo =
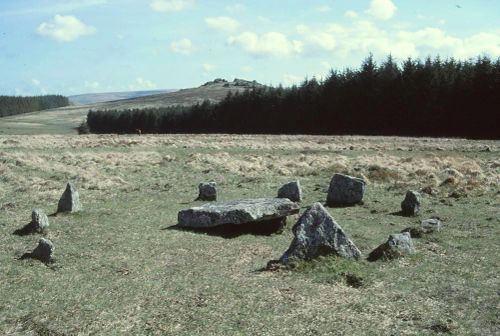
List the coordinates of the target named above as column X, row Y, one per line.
column 228, row 231
column 400, row 213
column 342, row 205
column 26, row 230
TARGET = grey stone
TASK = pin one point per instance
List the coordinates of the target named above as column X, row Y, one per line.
column 398, row 245
column 236, row 212
column 292, row 191
column 316, row 233
column 207, row 191
column 411, row 204
column 39, row 220
column 345, row 190
column 70, row 200
column 431, row 225
column 43, row 251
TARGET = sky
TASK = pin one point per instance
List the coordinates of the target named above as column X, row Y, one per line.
column 80, row 46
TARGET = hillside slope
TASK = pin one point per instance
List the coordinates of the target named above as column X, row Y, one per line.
column 93, row 98
column 64, row 120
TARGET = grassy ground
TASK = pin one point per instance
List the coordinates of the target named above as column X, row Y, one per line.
column 121, row 269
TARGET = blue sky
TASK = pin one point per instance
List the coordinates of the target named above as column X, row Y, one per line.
column 78, row 46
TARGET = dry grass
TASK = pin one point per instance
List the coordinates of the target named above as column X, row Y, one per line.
column 119, row 270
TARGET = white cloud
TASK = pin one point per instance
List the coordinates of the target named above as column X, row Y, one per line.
column 166, row 6
column 362, row 36
column 382, row 9
column 223, row 23
column 246, row 68
column 66, row 6
column 268, row 44
column 289, row 79
column 183, row 46
column 207, row 67
column 91, row 85
column 36, row 83
column 236, row 8
column 263, row 19
column 64, row 28
column 481, row 43
column 351, row 14
column 142, row 84
column 323, row 9
column 322, row 39
column 431, row 37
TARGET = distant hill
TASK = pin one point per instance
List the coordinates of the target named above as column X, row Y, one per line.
column 64, row 120
column 92, row 98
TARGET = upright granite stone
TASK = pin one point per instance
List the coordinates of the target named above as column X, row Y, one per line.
column 398, row 245
column 291, row 190
column 207, row 191
column 39, row 223
column 411, row 204
column 345, row 190
column 316, row 233
column 70, row 200
column 236, row 212
column 39, row 220
column 43, row 251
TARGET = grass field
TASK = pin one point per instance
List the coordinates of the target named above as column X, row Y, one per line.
column 120, row 268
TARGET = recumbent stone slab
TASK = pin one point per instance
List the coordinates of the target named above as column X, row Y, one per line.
column 291, row 190
column 236, row 212
column 316, row 233
column 345, row 190
column 70, row 200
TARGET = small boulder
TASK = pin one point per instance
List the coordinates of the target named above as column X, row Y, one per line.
column 42, row 252
column 430, row 225
column 345, row 190
column 70, row 200
column 411, row 204
column 39, row 223
column 39, row 220
column 316, row 234
column 398, row 245
column 207, row 191
column 292, row 191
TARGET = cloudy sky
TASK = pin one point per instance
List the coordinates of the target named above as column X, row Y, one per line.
column 79, row 46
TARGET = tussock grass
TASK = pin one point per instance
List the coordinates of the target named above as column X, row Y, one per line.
column 119, row 270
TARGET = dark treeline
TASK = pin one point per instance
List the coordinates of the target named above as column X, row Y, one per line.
column 10, row 105
column 433, row 97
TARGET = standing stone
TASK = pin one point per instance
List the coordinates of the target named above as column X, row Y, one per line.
column 431, row 225
column 70, row 200
column 291, row 190
column 398, row 245
column 411, row 204
column 345, row 190
column 43, row 251
column 316, row 234
column 207, row 191
column 39, row 223
column 39, row 220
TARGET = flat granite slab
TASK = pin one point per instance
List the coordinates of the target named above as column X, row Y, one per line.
column 236, row 212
